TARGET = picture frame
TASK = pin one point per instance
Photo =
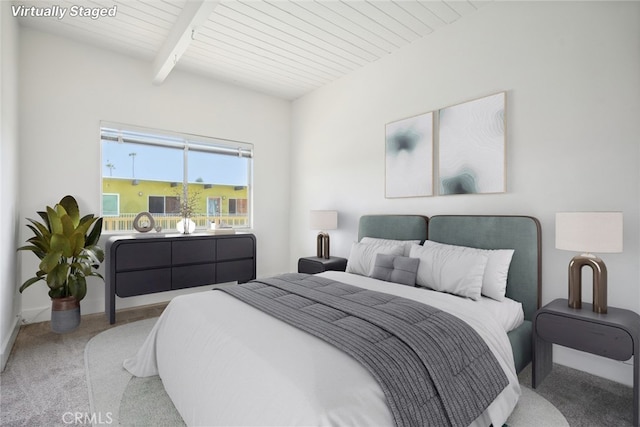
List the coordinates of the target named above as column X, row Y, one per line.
column 409, row 157
column 472, row 146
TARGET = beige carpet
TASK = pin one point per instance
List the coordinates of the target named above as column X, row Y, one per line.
column 44, row 382
column 113, row 392
column 142, row 401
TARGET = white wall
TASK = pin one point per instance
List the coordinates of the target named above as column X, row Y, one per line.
column 9, row 297
column 572, row 75
column 67, row 88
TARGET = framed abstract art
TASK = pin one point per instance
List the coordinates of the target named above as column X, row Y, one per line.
column 472, row 147
column 409, row 157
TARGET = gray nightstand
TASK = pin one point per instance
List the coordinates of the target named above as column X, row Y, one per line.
column 313, row 265
column 615, row 335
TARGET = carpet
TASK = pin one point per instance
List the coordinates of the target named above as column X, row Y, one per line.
column 116, row 395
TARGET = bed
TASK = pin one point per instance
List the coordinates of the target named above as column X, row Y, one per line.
column 224, row 362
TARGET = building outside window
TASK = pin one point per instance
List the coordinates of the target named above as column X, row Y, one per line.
column 146, row 170
column 164, row 204
column 237, row 206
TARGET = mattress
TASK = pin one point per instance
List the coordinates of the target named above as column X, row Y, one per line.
column 223, row 362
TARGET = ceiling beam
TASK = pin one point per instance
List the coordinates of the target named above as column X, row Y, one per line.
column 195, row 13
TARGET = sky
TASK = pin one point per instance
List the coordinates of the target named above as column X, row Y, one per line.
column 166, row 164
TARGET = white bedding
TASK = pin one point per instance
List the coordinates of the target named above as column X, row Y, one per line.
column 224, row 363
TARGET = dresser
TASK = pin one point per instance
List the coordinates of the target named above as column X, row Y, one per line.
column 140, row 264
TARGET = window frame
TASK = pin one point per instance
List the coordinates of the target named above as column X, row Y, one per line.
column 115, row 132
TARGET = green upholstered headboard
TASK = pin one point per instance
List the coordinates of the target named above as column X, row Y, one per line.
column 397, row 227
column 521, row 233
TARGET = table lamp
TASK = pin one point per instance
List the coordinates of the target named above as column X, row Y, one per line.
column 589, row 232
column 323, row 220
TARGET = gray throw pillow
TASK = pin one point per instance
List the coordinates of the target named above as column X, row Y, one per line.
column 396, row 269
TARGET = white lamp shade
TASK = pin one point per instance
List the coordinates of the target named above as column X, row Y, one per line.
column 589, row 231
column 323, row 220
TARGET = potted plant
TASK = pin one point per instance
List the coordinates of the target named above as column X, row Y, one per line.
column 67, row 246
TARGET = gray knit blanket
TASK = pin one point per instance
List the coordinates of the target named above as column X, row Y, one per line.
column 433, row 368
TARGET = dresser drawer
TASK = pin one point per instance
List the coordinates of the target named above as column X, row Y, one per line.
column 229, row 271
column 235, row 248
column 193, row 251
column 193, row 275
column 131, row 283
column 142, row 255
column 596, row 338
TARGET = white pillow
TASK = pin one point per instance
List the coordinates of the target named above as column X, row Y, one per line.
column 362, row 257
column 453, row 269
column 507, row 312
column 405, row 243
column 494, row 282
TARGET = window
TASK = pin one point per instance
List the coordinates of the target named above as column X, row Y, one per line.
column 110, row 204
column 164, row 204
column 213, row 206
column 146, row 170
column 237, row 206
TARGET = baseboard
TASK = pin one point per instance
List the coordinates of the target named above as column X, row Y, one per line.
column 7, row 346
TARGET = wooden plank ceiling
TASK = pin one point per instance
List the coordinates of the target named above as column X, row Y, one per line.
column 281, row 47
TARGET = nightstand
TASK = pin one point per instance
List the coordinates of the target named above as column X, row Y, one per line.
column 615, row 335
column 313, row 265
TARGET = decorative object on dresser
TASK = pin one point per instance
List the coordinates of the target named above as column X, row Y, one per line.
column 323, row 220
column 188, row 203
column 67, row 246
column 589, row 232
column 186, row 226
column 313, row 264
column 142, row 264
column 615, row 335
column 144, row 222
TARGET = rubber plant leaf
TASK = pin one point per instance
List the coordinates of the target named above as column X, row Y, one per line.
column 58, row 276
column 57, row 293
column 54, row 221
column 49, row 262
column 94, row 236
column 30, row 282
column 96, row 253
column 82, row 265
column 77, row 243
column 84, row 225
column 68, row 227
column 70, row 205
column 40, row 229
column 77, row 287
column 61, row 243
column 45, row 218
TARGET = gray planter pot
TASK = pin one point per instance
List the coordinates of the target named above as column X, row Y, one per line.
column 65, row 315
